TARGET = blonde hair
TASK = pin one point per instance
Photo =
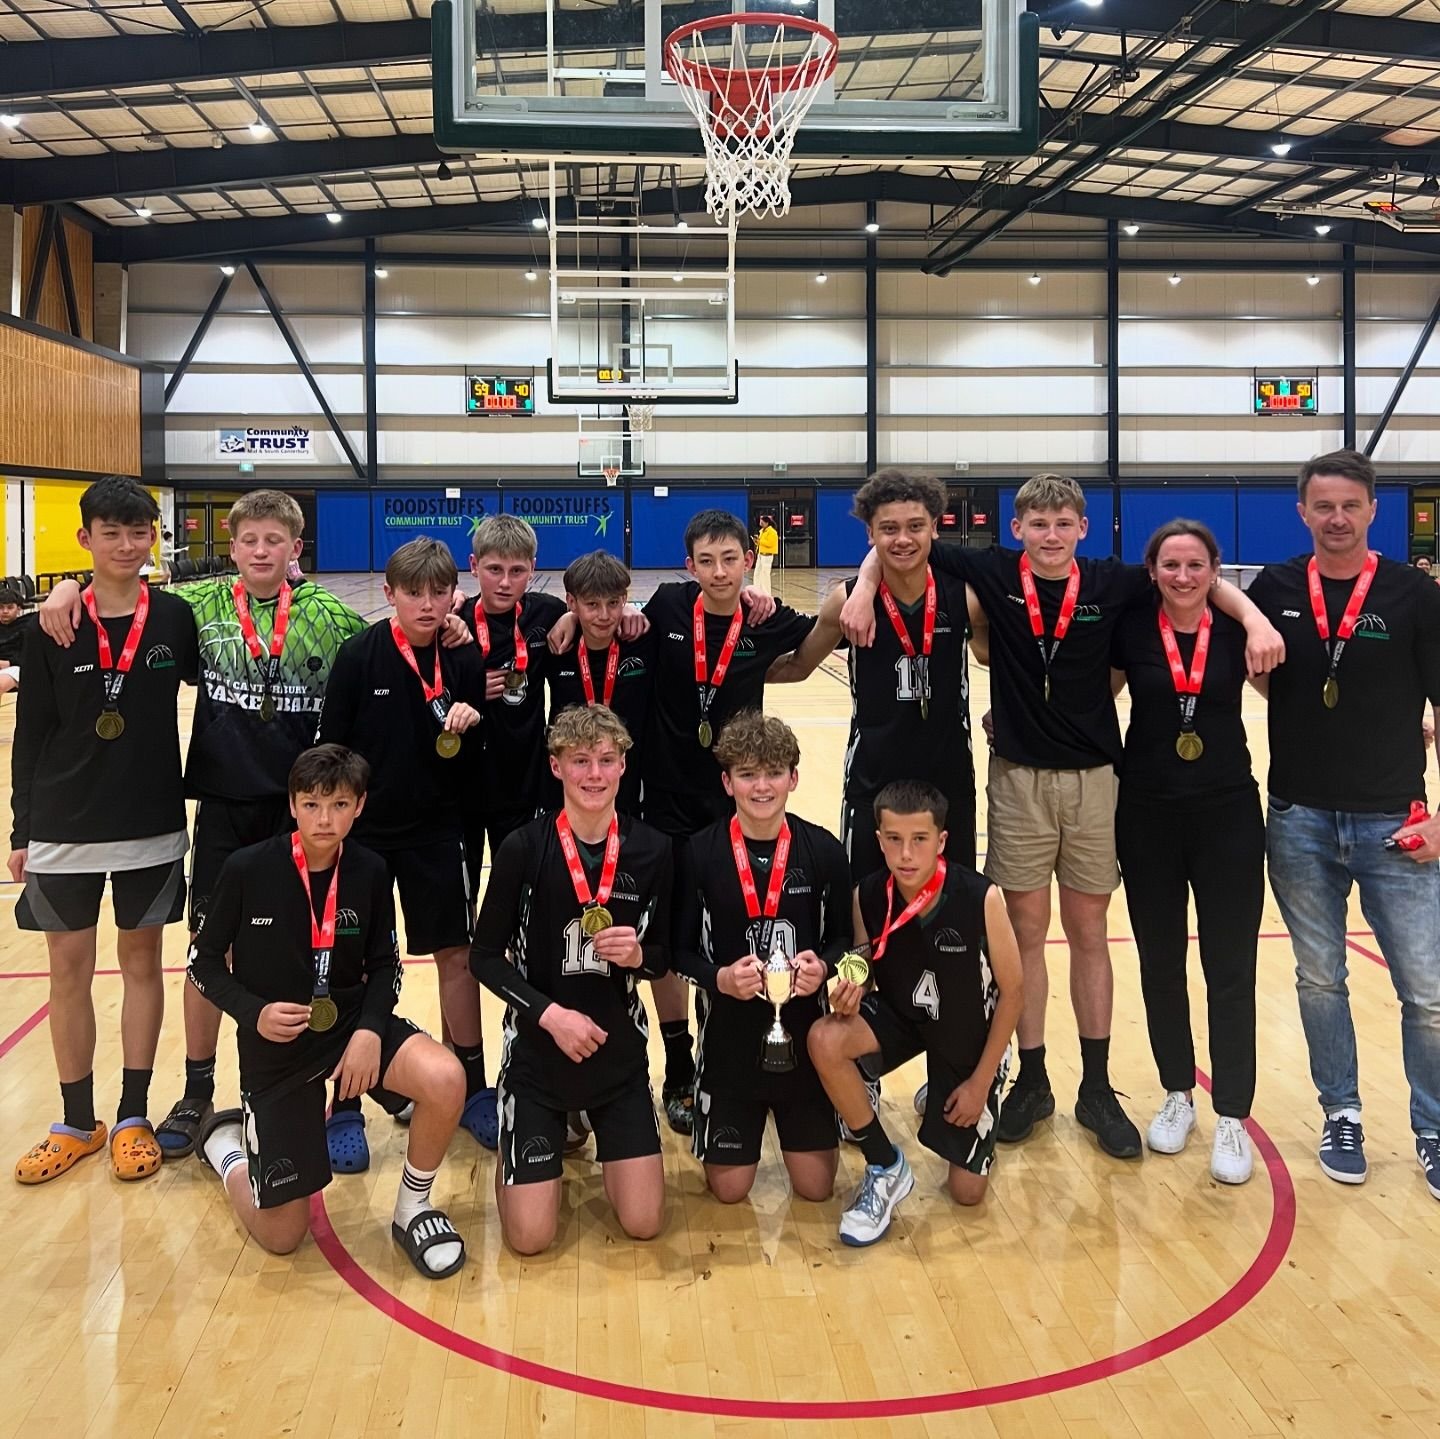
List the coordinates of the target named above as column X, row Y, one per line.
column 584, row 727
column 1049, row 492
column 504, row 535
column 758, row 739
column 267, row 505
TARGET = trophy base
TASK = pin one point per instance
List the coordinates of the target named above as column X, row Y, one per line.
column 778, row 1056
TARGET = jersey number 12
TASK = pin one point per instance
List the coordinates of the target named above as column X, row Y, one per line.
column 580, row 956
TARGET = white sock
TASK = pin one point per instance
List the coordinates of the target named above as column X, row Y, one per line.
column 225, row 1145
column 413, row 1199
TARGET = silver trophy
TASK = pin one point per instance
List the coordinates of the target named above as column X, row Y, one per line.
column 778, row 1055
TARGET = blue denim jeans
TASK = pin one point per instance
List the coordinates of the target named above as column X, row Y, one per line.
column 1315, row 856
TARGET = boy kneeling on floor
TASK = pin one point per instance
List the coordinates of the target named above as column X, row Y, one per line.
column 310, row 922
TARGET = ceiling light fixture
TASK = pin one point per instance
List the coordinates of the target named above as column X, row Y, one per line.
column 142, row 212
column 1175, row 279
column 1322, row 229
column 227, row 269
column 444, row 172
column 531, row 275
column 1280, row 147
column 538, row 222
column 258, row 128
column 821, row 278
column 872, row 227
column 1430, row 185
column 9, row 121
column 1312, row 279
column 1035, row 278
column 682, row 224
column 1131, row 228
column 381, row 273
column 334, row 217
column 677, row 278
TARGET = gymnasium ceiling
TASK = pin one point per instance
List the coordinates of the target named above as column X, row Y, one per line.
column 241, row 124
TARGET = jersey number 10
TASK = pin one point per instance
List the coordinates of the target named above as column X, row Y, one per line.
column 580, row 956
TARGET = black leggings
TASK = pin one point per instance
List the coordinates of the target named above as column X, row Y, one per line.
column 1216, row 850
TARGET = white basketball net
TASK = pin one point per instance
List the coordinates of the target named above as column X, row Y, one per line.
column 641, row 416
column 749, row 81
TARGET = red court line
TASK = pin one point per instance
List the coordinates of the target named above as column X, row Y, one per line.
column 168, row 969
column 1262, row 1268
column 19, row 1033
column 1368, row 953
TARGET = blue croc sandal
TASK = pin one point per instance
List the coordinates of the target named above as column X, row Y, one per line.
column 480, row 1117
column 345, row 1137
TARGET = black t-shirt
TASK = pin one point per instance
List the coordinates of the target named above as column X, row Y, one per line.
column 530, row 912
column 634, row 682
column 12, row 638
column 69, row 786
column 1152, row 770
column 888, row 738
column 513, row 768
column 712, row 929
column 260, row 914
column 1077, row 727
column 675, row 760
column 376, row 705
column 935, row 971
column 1367, row 755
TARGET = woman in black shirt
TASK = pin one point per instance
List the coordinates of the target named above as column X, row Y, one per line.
column 1188, row 820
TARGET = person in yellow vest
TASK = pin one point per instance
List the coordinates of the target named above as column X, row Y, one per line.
column 767, row 546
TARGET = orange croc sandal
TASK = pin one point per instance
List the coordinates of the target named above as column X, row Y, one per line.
column 60, row 1150
column 134, row 1150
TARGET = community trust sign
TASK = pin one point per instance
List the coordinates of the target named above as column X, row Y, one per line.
column 284, row 446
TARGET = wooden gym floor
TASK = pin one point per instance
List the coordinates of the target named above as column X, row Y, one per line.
column 1086, row 1297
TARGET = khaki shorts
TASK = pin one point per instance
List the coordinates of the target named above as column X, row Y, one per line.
column 1051, row 821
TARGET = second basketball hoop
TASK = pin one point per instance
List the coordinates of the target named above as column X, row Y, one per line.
column 749, row 80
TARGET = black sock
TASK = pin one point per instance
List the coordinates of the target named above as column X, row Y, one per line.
column 134, row 1094
column 1032, row 1067
column 1095, row 1063
column 200, row 1081
column 473, row 1061
column 344, row 1106
column 679, row 1062
column 875, row 1144
column 78, row 1098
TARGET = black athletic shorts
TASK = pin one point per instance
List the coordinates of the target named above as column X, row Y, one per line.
column 968, row 1147
column 493, row 829
column 221, row 827
column 285, row 1143
column 65, row 903
column 857, row 833
column 434, row 894
column 730, row 1130
column 532, row 1134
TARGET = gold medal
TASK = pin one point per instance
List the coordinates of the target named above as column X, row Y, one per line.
column 267, row 709
column 1189, row 745
column 515, row 680
column 596, row 919
column 854, row 967
column 323, row 1013
column 924, row 707
column 1047, row 688
column 705, row 734
column 110, row 725
column 1331, row 693
column 447, row 745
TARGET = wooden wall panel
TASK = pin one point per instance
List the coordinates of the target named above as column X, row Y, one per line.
column 52, row 313
column 63, row 409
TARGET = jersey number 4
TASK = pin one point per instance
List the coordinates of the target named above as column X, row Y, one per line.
column 580, row 956
column 927, row 995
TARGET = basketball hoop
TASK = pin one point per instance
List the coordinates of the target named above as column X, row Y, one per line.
column 641, row 416
column 750, row 108
column 612, row 475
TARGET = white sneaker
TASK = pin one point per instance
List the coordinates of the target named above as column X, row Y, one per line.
column 1172, row 1126
column 1230, row 1159
column 921, row 1095
column 868, row 1215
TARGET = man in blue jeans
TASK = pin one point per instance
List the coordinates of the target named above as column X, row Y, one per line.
column 1347, row 762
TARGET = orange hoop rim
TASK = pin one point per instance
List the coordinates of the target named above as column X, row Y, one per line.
column 714, row 77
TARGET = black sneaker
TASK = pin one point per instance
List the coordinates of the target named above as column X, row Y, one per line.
column 1024, row 1107
column 680, row 1108
column 1100, row 1112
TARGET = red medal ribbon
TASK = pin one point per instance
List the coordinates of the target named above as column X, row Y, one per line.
column 708, row 687
column 897, row 621
column 252, row 638
column 577, row 869
column 1352, row 608
column 322, row 935
column 1037, row 621
column 113, row 671
column 612, row 668
column 482, row 636
column 774, row 890
column 432, row 692
column 1187, row 687
column 928, row 891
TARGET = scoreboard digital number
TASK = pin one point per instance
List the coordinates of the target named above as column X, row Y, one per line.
column 499, row 394
column 1281, row 395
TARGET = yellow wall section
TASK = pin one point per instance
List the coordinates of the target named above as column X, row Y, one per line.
column 57, row 516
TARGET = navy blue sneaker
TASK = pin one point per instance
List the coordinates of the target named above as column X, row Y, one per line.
column 1342, row 1147
column 1427, row 1151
